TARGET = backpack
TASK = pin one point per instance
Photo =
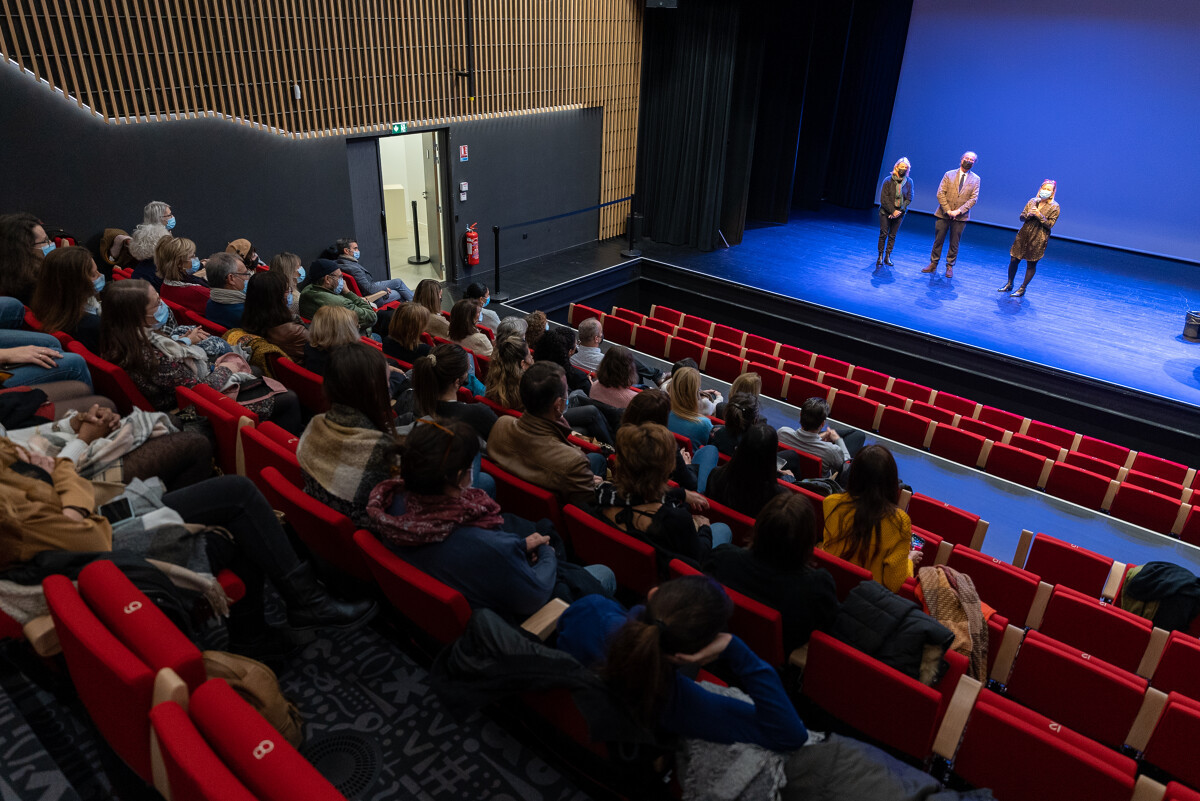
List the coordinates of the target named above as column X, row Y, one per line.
column 259, row 686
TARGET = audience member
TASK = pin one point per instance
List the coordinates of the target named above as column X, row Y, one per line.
column 535, row 448
column 709, row 398
column 403, row 340
column 557, row 346
column 23, row 245
column 740, row 412
column 647, row 656
column 511, row 325
column 65, row 297
column 288, row 265
column 865, row 526
column 615, row 376
column 653, row 406
column 752, row 476
column 686, row 418
column 463, row 330
column 835, row 445
column 777, row 569
column 31, row 358
column 510, row 360
column 244, row 249
column 747, row 383
column 536, row 325
column 184, row 280
column 332, row 327
column 142, row 245
column 482, row 296
column 327, row 287
column 227, row 279
column 114, row 251
column 387, row 289
column 587, row 355
column 346, row 451
column 435, row 381
column 640, row 502
column 434, row 519
column 429, row 295
column 266, row 315
column 156, row 212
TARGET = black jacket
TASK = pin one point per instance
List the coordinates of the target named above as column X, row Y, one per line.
column 892, row 629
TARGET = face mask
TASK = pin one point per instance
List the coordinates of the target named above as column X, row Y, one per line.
column 289, row 297
column 48, row 248
column 99, row 284
column 547, row 326
column 171, row 223
column 161, row 315
column 1045, row 193
column 966, row 166
column 300, row 276
column 487, row 300
column 900, row 176
column 357, row 253
column 195, row 265
column 341, row 286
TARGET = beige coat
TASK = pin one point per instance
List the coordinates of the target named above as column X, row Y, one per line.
column 950, row 198
column 536, row 450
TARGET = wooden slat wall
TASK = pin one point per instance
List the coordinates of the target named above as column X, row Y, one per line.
column 360, row 64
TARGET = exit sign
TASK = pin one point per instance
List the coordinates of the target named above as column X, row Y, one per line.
column 399, row 127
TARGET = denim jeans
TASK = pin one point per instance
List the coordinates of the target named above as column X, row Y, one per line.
column 12, row 312
column 598, row 463
column 722, row 534
column 397, row 290
column 705, row 460
column 482, row 480
column 607, row 578
column 68, row 367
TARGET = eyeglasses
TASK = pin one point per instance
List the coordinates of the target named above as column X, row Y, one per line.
column 41, row 242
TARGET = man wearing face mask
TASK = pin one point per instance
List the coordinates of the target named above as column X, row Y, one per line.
column 227, row 277
column 380, row 292
column 327, row 287
column 957, row 193
column 894, row 198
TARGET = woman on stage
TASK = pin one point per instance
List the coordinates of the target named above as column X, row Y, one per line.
column 1039, row 214
column 894, row 196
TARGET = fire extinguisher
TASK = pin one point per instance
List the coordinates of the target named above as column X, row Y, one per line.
column 471, row 245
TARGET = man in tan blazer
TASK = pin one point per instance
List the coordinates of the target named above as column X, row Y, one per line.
column 957, row 193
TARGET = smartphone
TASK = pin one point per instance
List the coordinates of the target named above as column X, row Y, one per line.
column 917, row 543
column 118, row 510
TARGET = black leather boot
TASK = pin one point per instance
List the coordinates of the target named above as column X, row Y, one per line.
column 310, row 606
column 879, row 260
column 887, row 259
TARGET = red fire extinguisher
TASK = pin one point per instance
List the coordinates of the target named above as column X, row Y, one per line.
column 471, row 245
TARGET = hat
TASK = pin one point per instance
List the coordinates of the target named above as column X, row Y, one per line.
column 240, row 247
column 321, row 268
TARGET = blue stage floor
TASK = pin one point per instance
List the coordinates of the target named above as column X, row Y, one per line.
column 1093, row 311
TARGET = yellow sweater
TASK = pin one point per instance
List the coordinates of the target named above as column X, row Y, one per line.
column 889, row 564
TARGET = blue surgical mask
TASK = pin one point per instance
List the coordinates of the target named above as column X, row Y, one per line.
column 1045, row 193
column 341, row 286
column 48, row 248
column 161, row 315
column 487, row 300
column 171, row 223
column 195, row 264
column 547, row 326
column 289, row 297
column 99, row 284
column 300, row 276
column 357, row 253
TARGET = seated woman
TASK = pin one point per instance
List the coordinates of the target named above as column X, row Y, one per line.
column 54, row 509
column 142, row 244
column 536, row 326
column 615, row 378
column 653, row 406
column 639, row 501
column 709, row 398
column 346, row 451
column 463, row 331
column 23, row 245
column 740, row 413
column 482, row 297
column 429, row 294
column 403, row 340
column 751, row 477
column 266, row 314
column 129, row 338
column 434, row 519
column 65, row 298
column 557, row 346
column 332, row 327
column 510, row 359
column 435, row 381
column 686, row 418
column 183, row 281
column 682, row 625
column 865, row 526
column 746, row 383
column 777, row 569
column 288, row 265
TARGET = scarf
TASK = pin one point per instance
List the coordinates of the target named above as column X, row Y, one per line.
column 343, row 456
column 952, row 600
column 193, row 357
column 428, row 519
column 262, row 352
column 227, row 297
column 105, row 452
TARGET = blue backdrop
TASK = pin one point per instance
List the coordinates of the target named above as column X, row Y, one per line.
column 1101, row 95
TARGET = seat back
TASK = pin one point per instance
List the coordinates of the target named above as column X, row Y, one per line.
column 1114, row 635
column 1101, row 449
column 618, row 330
column 843, row 384
column 761, row 343
column 792, row 353
column 1178, row 668
column 1007, row 420
column 628, row 314
column 305, row 383
column 1016, row 465
column 595, row 542
column 994, row 433
column 855, row 410
column 872, row 378
column 695, row 323
column 650, row 341
column 680, row 347
column 742, row 525
column 832, row 366
column 774, row 380
column 1145, row 508
column 725, row 346
column 1034, row 445
column 800, row 389
column 578, row 312
column 267, row 445
column 846, row 575
column 665, row 313
column 1163, row 468
column 224, row 415
column 1077, row 485
column 729, row 334
column 1093, row 464
column 1009, row 590
column 722, row 366
column 759, row 626
column 521, row 498
column 437, row 609
column 111, row 381
column 326, row 533
column 193, row 770
column 958, row 526
column 956, row 444
column 911, row 429
column 955, row 403
column 1172, row 744
column 1162, row 486
column 1060, row 562
column 911, row 389
column 935, row 413
column 1061, row 437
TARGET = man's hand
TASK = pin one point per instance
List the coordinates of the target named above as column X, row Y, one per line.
column 896, row 213
column 532, row 543
column 829, row 435
column 30, row 354
column 95, row 423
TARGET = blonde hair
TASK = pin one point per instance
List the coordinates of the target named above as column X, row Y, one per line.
column 170, row 255
column 685, row 393
column 289, row 265
column 333, row 326
column 896, row 167
column 750, row 383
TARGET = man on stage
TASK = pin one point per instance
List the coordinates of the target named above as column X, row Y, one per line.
column 957, row 193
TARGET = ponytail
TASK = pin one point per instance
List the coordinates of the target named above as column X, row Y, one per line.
column 433, row 374
column 637, row 669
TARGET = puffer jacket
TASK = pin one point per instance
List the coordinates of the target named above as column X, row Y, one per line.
column 892, row 629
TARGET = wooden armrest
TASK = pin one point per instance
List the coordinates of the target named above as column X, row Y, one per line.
column 799, row 657
column 1154, row 652
column 1037, row 609
column 1007, row 653
column 945, row 548
column 41, row 634
column 543, row 621
column 1147, row 719
column 1023, row 544
column 1116, row 574
column 955, row 720
column 374, row 296
column 1147, row 789
column 168, row 686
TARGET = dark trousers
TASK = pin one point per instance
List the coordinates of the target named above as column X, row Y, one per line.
column 888, row 227
column 940, row 226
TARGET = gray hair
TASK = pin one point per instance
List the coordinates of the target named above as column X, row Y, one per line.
column 511, row 325
column 145, row 239
column 154, row 211
column 220, row 266
column 590, row 329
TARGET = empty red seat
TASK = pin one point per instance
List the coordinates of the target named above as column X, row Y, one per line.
column 911, row 389
column 935, row 413
column 802, row 370
column 792, row 353
column 1016, row 465
column 1172, row 744
column 1007, row 420
column 774, row 380
column 729, row 334
column 1178, row 792
column 832, row 366
column 843, row 384
column 1112, row 634
column 994, row 433
column 956, row 444
column 1145, row 508
column 650, row 341
column 762, row 357
column 725, row 346
column 1101, row 449
column 722, row 366
column 1077, row 485
column 957, row 404
column 578, row 312
column 1163, row 468
column 596, row 542
column 660, row 325
column 628, row 314
column 1190, row 531
column 853, row 410
column 1093, row 464
column 764, row 344
column 1061, row 437
column 800, row 389
column 1162, row 486
column 305, row 383
column 691, row 335
column 668, row 314
column 618, row 330
column 887, row 398
column 680, row 348
column 267, row 445
column 1060, row 562
column 1046, row 449
column 872, row 378
column 1178, row 668
column 193, row 770
column 911, row 429
column 696, row 323
column 958, row 526
column 226, row 417
column 1009, row 590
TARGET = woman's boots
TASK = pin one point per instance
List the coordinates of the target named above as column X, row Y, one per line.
column 310, row 606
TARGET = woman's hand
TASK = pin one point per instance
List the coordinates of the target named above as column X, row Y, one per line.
column 700, row 521
column 788, row 474
column 687, row 457
column 30, row 354
column 95, row 423
column 916, row 556
column 695, row 501
column 706, row 654
column 197, row 334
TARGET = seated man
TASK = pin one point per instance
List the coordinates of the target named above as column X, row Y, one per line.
column 327, row 287
column 382, row 291
column 227, row 278
column 588, row 355
column 534, row 447
column 835, row 445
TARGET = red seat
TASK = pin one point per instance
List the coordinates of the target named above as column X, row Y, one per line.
column 1095, row 699
column 111, row 381
column 935, row 413
column 757, row 624
column 1019, row 754
column 914, row 710
column 792, row 353
column 680, row 348
column 208, row 325
column 1163, row 468
column 194, row 772
column 802, row 370
column 1190, row 531
column 911, row 429
column 774, row 380
column 650, row 341
column 722, row 366
column 1162, row 486
column 885, row 398
column 305, row 383
column 854, row 410
column 1060, row 562
column 1178, row 668
column 846, row 575
column 1172, row 744
column 1016, row 465
column 1053, row 434
column 226, row 417
column 755, row 342
column 910, row 389
column 956, row 404
column 596, row 542
column 1077, row 485
column 660, row 325
column 762, row 357
column 521, row 498
column 843, row 384
column 440, row 611
column 741, row 525
column 697, row 324
column 327, row 533
column 832, row 366
column 1009, row 590
column 578, row 312
column 872, row 378
column 800, row 389
column 1103, row 630
column 729, row 334
column 994, row 433
column 817, row 502
column 267, row 445
column 664, row 313
column 1093, row 464
column 1145, row 508
column 629, row 314
column 496, row 407
column 1178, row 792
column 254, row 751
column 956, row 445
column 929, row 544
column 691, row 335
column 725, row 346
column 1047, row 449
column 352, row 284
column 1101, row 449
column 618, row 329
column 958, row 526
column 482, row 363
column 999, row 417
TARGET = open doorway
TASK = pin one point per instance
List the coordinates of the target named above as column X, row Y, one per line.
column 410, row 174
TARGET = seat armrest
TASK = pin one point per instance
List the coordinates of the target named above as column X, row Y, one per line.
column 542, row 622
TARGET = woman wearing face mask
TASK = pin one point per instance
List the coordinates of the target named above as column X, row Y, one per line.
column 183, row 281
column 288, row 265
column 266, row 314
column 65, row 298
column 1039, row 215
column 894, row 198
column 480, row 294
column 157, row 212
column 23, row 245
